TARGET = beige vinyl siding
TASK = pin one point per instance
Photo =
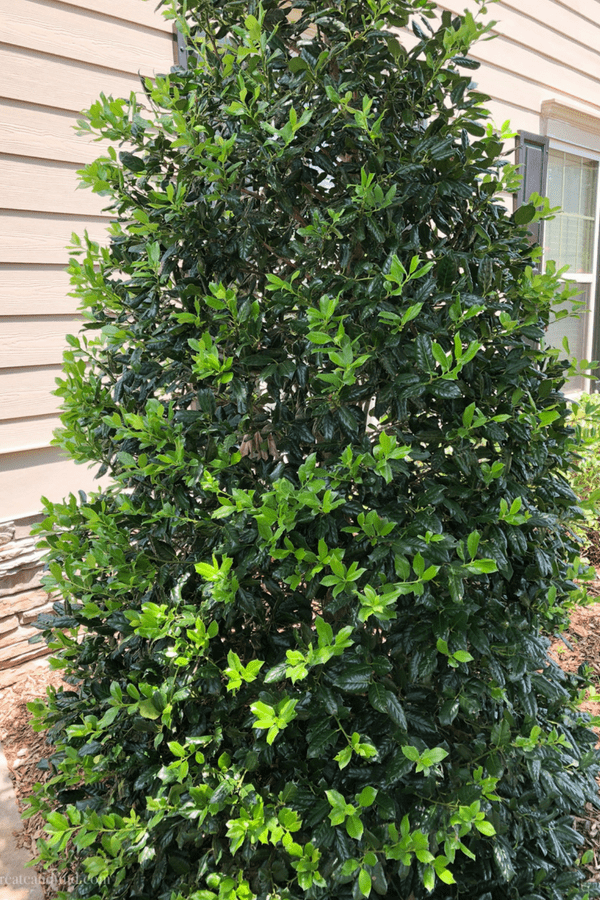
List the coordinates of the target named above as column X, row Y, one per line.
column 46, row 186
column 563, row 19
column 28, row 434
column 29, row 237
column 81, row 35
column 66, row 85
column 43, row 472
column 33, row 131
column 56, row 57
column 34, row 340
column 137, row 11
column 32, row 290
column 587, row 9
column 26, row 391
column 543, row 50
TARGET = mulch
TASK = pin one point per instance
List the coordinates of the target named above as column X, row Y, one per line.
column 24, row 748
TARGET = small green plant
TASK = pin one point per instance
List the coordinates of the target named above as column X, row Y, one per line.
column 585, row 474
column 303, row 624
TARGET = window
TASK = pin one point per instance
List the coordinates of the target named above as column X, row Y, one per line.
column 568, row 175
column 570, row 239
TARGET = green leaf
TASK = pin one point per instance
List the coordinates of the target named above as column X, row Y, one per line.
column 424, row 352
column 437, row 754
column 148, row 710
column 355, row 679
column 448, row 712
column 428, row 878
column 473, row 543
column 411, row 753
column 57, row 821
column 133, row 163
column 318, row 337
column 176, row 748
column 482, row 566
column 446, row 389
column 367, row 796
column 378, row 697
column 297, row 64
column 364, row 882
column 524, row 214
column 354, row 827
column 395, row 710
column 350, row 867
column 466, row 62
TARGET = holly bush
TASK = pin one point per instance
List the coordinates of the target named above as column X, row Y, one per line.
column 303, row 625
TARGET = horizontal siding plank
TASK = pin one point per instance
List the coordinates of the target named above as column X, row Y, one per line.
column 35, row 341
column 42, row 238
column 45, row 186
column 587, row 8
column 35, row 291
column 536, row 75
column 566, row 21
column 26, row 477
column 27, row 434
column 143, row 12
column 35, row 131
column 520, row 119
column 28, row 391
column 83, row 35
column 505, row 86
column 536, row 43
column 66, row 85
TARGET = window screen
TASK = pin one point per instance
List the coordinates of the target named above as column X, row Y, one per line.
column 572, row 185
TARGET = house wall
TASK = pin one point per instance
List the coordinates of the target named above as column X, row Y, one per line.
column 56, row 56
column 543, row 50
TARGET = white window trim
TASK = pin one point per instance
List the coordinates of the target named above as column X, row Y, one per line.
column 555, row 114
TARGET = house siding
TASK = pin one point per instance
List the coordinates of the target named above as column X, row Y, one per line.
column 543, row 50
column 56, row 58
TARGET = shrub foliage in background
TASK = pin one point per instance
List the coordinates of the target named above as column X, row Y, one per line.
column 304, row 623
column 585, row 475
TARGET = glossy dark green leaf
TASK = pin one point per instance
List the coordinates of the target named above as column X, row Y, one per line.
column 524, row 214
column 423, row 352
column 355, row 679
column 466, row 62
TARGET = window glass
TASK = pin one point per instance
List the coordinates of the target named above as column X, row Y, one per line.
column 574, row 328
column 572, row 185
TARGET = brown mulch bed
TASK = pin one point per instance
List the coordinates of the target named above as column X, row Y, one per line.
column 592, row 552
column 24, row 748
column 581, row 644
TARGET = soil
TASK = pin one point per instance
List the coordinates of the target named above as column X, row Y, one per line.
column 24, row 748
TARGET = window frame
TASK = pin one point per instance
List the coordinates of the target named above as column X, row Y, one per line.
column 525, row 138
column 592, row 326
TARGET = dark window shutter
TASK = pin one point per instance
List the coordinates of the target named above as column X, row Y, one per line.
column 532, row 157
column 180, row 49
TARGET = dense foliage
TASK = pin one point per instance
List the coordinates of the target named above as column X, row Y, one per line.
column 304, row 623
column 584, row 477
